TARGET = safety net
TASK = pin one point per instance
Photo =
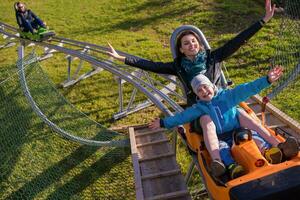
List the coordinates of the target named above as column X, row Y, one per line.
column 276, row 44
column 37, row 161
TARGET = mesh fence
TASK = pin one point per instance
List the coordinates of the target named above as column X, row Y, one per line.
column 37, row 163
column 286, row 93
column 276, row 44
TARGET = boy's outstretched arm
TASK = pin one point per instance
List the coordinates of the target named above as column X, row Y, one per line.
column 180, row 118
column 155, row 124
column 244, row 91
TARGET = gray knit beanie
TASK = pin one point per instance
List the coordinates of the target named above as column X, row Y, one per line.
column 200, row 79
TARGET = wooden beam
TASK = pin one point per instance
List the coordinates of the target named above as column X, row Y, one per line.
column 293, row 124
column 152, row 143
column 252, row 103
column 148, row 133
column 259, row 114
column 137, row 173
column 170, row 195
column 277, row 125
column 161, row 174
column 156, row 157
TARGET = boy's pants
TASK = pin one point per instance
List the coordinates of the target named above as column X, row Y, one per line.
column 226, row 143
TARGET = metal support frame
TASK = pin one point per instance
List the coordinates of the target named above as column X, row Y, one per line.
column 53, row 126
column 131, row 108
column 48, row 53
column 153, row 94
column 174, row 142
column 9, row 41
column 21, row 51
column 75, row 77
column 189, row 172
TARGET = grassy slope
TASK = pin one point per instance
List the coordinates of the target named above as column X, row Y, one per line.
column 142, row 28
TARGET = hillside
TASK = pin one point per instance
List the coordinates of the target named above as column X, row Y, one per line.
column 66, row 170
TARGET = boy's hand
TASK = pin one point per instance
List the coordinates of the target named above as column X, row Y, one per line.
column 155, row 124
column 275, row 73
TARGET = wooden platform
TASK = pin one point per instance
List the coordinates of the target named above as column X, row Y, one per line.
column 275, row 118
column 157, row 174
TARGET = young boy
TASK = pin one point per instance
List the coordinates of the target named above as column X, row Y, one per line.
column 220, row 106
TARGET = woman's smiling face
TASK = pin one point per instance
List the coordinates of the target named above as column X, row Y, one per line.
column 189, row 46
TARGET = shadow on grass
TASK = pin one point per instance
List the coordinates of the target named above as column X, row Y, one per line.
column 54, row 173
column 139, row 23
column 19, row 124
column 233, row 16
column 90, row 175
column 153, row 4
column 15, row 120
column 220, row 17
column 59, row 111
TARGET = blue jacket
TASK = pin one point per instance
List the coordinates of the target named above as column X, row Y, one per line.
column 222, row 108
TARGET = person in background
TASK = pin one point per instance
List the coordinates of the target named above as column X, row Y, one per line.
column 27, row 20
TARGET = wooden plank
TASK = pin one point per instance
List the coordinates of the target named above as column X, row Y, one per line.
column 170, row 195
column 158, row 149
column 163, row 185
column 155, row 166
column 148, row 133
column 149, row 138
column 252, row 103
column 259, row 114
column 293, row 124
column 136, row 166
column 126, row 128
column 156, row 157
column 159, row 171
column 152, row 143
column 161, row 174
column 277, row 125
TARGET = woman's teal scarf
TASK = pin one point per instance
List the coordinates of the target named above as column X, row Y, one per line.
column 195, row 67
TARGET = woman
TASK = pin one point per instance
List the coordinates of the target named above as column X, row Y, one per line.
column 27, row 20
column 192, row 60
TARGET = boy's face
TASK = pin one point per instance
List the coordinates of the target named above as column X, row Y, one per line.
column 205, row 93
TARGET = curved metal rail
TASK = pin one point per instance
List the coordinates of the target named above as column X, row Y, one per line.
column 150, row 91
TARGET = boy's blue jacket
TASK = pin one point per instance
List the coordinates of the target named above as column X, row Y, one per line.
column 222, row 108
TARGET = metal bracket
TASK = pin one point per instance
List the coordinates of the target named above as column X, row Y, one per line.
column 75, row 77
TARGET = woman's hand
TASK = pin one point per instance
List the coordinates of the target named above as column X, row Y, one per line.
column 269, row 10
column 155, row 124
column 275, row 73
column 115, row 54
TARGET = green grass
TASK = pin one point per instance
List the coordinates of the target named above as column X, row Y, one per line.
column 141, row 28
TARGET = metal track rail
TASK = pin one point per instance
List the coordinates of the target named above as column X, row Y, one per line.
column 149, row 90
